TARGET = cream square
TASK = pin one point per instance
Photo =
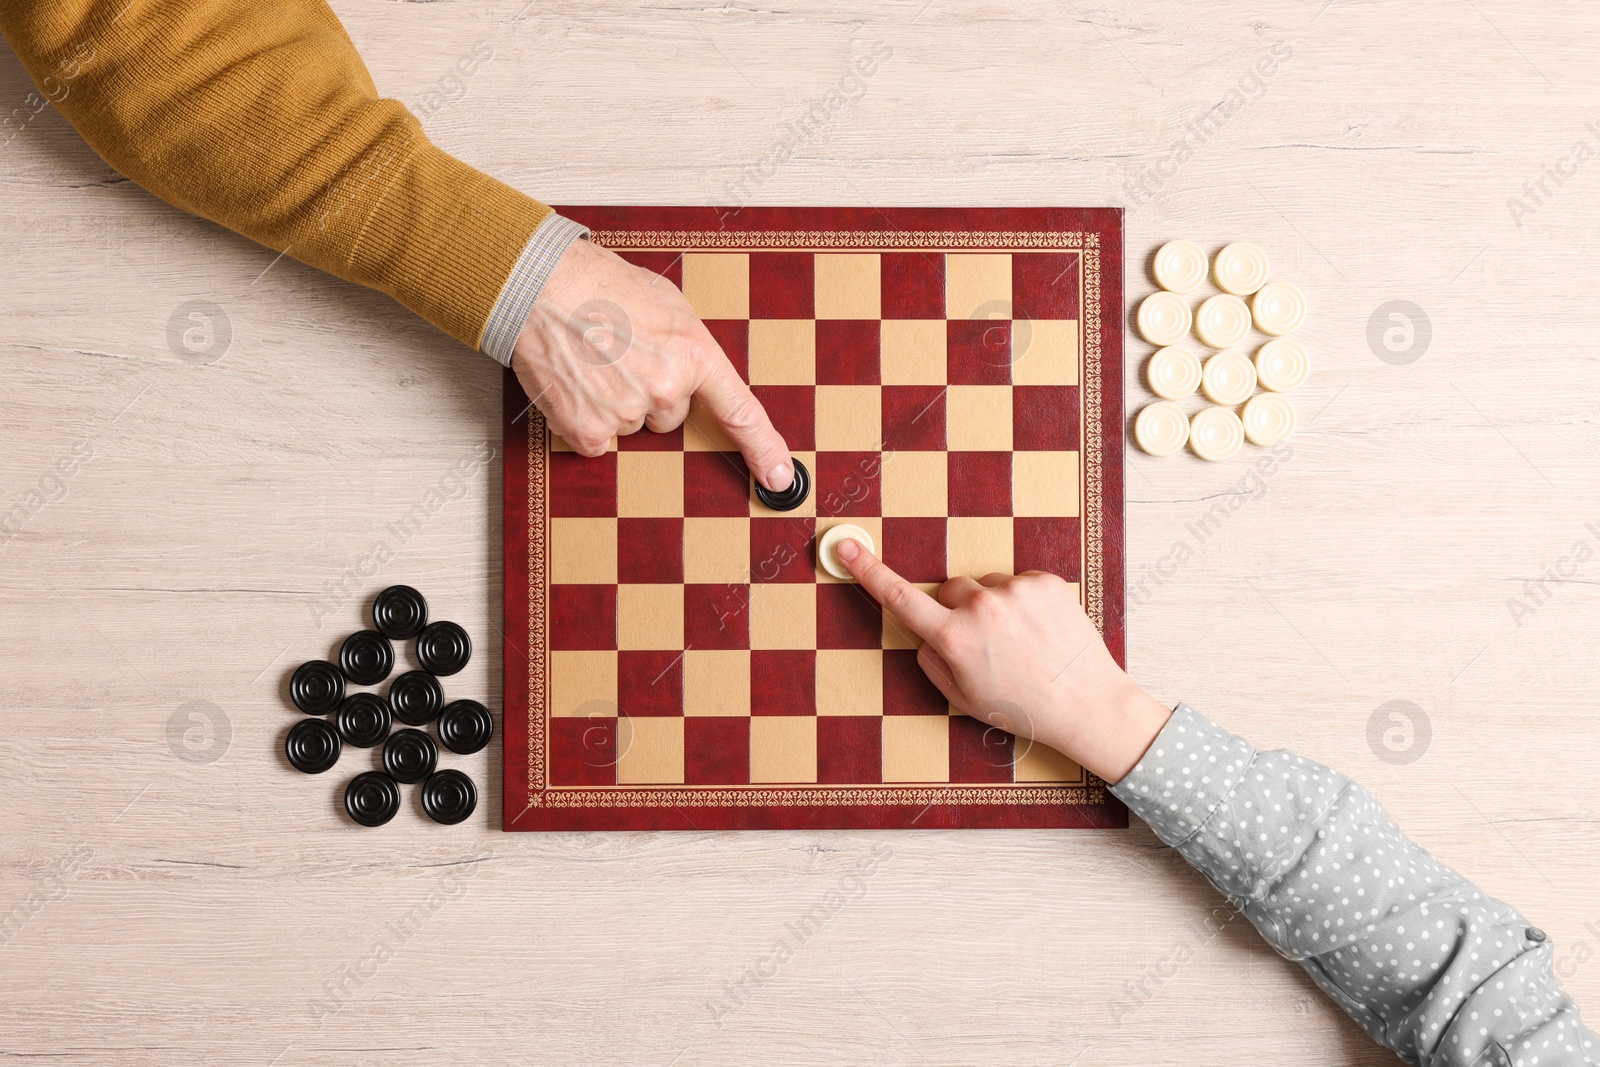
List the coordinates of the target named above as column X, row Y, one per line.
column 873, row 524
column 915, row 483
column 979, row 545
column 649, row 484
column 583, row 684
column 1044, row 352
column 583, row 551
column 913, row 351
column 716, row 551
column 916, row 748
column 848, row 285
column 849, row 418
column 849, row 681
column 1039, row 763
column 783, row 351
column 649, row 617
column 702, row 433
column 977, row 286
column 897, row 634
column 649, row 751
column 1044, row 483
column 977, row 418
column 717, row 284
column 783, row 615
column 716, row 682
column 783, row 748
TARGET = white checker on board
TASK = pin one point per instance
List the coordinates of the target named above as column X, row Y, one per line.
column 829, row 542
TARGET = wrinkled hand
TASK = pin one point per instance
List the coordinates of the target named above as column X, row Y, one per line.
column 611, row 347
column 1018, row 652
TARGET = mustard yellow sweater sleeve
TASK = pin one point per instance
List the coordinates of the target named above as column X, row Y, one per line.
column 260, row 115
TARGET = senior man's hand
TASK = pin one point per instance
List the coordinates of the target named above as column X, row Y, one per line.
column 611, row 347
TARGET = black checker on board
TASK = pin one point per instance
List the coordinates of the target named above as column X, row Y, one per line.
column 792, row 497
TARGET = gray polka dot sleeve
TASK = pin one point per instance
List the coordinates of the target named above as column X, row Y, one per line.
column 1434, row 969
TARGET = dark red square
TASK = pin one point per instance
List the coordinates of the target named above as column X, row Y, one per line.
column 848, row 617
column 715, row 484
column 716, row 750
column 650, row 551
column 979, row 483
column 1047, row 544
column 912, row 285
column 733, row 335
column 581, row 487
column 650, row 683
column 667, row 264
column 913, row 418
column 849, row 749
column 847, row 351
column 781, row 549
column 646, row 441
column 849, row 483
column 915, row 548
column 979, row 753
column 716, row 616
column 583, row 617
column 583, row 751
column 793, row 411
column 781, row 285
column 1044, row 285
column 1044, row 418
column 783, row 682
column 978, row 351
column 906, row 687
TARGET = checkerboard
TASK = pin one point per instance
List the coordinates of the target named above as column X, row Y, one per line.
column 676, row 656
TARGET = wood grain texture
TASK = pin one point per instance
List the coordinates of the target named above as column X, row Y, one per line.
column 223, row 913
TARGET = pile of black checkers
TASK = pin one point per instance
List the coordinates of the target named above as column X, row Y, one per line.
column 415, row 698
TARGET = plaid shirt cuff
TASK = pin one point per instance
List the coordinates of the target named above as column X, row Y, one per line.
column 544, row 249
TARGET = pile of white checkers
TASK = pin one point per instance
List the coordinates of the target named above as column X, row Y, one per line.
column 1228, row 377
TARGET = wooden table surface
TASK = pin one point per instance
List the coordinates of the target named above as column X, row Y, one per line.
column 172, row 893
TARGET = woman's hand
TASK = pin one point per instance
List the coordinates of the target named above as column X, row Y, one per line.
column 611, row 347
column 1017, row 652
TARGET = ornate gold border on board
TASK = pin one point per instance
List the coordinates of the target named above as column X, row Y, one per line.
column 822, row 795
column 941, row 240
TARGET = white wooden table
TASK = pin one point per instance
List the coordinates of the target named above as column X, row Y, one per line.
column 187, row 899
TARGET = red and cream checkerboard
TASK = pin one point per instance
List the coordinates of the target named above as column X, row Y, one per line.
column 675, row 656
